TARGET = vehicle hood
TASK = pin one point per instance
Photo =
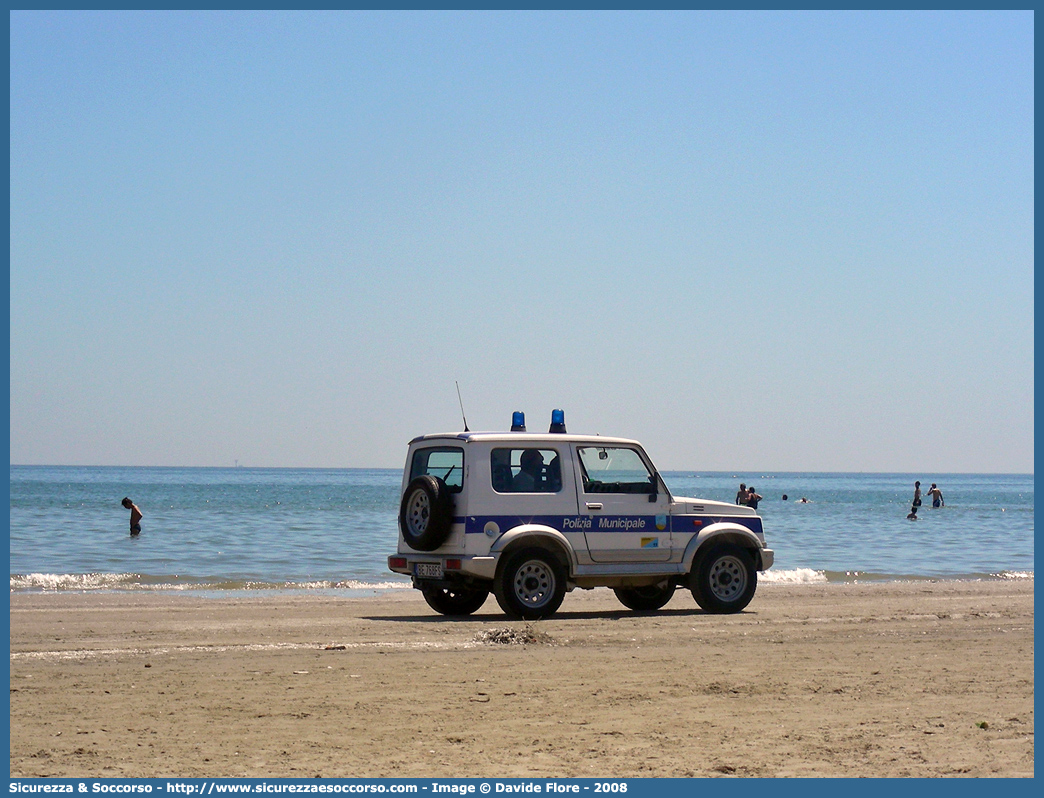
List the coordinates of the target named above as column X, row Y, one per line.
column 683, row 504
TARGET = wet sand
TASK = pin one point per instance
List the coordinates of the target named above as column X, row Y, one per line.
column 903, row 679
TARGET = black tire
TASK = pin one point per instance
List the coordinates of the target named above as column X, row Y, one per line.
column 531, row 585
column 426, row 513
column 724, row 578
column 460, row 600
column 647, row 598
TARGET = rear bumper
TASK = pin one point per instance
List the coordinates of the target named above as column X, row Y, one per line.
column 475, row 567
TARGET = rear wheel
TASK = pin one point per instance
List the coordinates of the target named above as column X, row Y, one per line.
column 647, row 598
column 457, row 600
column 530, row 585
column 724, row 579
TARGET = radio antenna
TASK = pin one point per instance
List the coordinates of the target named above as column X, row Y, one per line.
column 461, row 407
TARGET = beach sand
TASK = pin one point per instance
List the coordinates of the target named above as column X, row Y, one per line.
column 901, row 679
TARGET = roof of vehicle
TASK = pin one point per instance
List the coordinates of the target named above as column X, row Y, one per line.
column 525, row 437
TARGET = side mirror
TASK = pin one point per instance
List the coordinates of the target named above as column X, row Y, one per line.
column 652, row 486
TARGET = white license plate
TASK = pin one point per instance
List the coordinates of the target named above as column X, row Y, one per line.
column 429, row 570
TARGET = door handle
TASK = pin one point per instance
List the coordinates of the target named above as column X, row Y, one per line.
column 594, row 505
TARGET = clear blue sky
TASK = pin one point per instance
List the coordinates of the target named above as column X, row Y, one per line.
column 754, row 241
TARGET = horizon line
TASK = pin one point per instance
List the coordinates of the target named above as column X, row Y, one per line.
column 737, row 473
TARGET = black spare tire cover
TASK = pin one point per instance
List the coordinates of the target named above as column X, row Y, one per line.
column 425, row 513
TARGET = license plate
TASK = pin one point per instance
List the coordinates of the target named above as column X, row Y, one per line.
column 429, row 570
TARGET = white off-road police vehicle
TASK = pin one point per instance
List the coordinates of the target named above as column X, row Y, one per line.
column 531, row 516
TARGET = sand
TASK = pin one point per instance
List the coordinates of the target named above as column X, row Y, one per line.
column 903, row 679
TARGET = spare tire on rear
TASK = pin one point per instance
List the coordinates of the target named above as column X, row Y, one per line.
column 426, row 513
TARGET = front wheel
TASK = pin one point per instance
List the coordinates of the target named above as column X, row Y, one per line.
column 531, row 585
column 647, row 598
column 724, row 579
column 457, row 600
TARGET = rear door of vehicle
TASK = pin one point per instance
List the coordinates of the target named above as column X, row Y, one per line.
column 510, row 496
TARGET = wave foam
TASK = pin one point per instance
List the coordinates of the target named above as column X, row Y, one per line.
column 1015, row 575
column 796, row 576
column 118, row 582
column 73, row 581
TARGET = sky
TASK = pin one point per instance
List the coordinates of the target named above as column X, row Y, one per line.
column 753, row 241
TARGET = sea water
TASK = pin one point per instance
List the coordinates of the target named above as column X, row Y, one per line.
column 212, row 530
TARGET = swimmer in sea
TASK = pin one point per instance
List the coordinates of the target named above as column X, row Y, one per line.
column 936, row 494
column 913, row 514
column 753, row 497
column 135, row 517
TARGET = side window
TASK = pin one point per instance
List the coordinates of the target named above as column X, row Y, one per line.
column 611, row 469
column 525, row 471
column 444, row 462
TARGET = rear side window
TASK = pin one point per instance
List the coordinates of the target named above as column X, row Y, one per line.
column 530, row 470
column 444, row 462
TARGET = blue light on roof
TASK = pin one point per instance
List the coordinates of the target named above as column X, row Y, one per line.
column 518, row 421
column 557, row 421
